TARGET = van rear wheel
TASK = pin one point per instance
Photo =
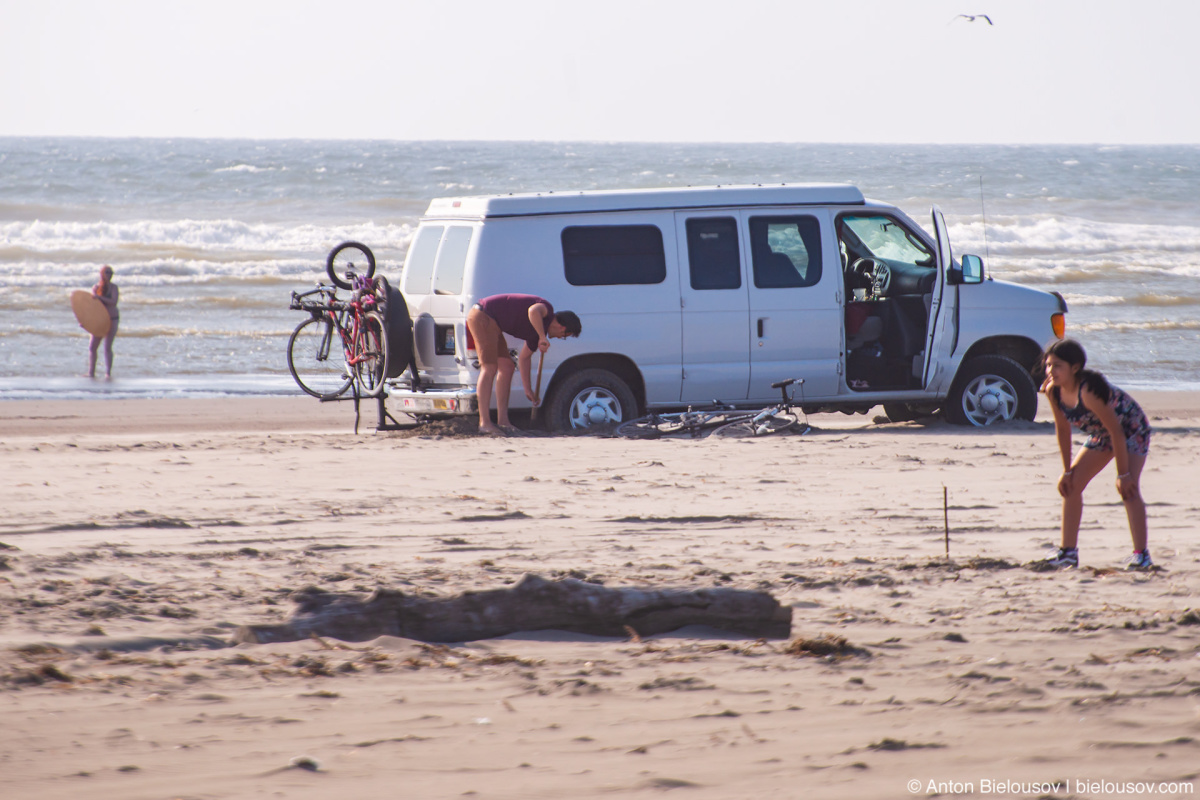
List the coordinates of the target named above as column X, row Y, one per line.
column 590, row 399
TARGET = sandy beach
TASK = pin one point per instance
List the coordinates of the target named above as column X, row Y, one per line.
column 140, row 535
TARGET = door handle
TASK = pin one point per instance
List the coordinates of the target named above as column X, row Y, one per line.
column 761, row 325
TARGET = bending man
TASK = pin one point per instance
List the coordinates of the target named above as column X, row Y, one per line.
column 527, row 317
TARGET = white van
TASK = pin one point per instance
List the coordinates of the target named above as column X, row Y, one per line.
column 695, row 295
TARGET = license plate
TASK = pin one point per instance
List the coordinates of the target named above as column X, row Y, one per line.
column 429, row 403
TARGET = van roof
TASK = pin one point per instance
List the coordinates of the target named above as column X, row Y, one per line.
column 576, row 202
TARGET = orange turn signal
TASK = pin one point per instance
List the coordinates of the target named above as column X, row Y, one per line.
column 1059, row 323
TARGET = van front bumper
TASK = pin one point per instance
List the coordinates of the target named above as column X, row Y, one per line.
column 449, row 402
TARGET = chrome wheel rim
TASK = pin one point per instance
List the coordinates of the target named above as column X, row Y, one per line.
column 989, row 399
column 595, row 406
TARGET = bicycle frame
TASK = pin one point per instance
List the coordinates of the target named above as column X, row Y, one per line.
column 345, row 317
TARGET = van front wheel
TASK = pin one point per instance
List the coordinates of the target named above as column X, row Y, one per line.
column 991, row 389
column 590, row 399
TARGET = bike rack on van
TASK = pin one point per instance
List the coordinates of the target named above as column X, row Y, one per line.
column 386, row 421
column 384, row 416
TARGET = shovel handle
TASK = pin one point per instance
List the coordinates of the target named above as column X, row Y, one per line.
column 533, row 414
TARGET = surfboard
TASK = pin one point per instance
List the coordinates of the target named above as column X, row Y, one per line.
column 91, row 313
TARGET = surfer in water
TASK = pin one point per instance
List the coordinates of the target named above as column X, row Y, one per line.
column 107, row 293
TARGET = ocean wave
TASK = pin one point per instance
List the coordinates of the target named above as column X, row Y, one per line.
column 1040, row 270
column 197, row 386
column 1042, row 234
column 249, row 168
column 148, row 332
column 1132, row 327
column 137, row 237
column 65, row 275
column 145, row 253
column 1148, row 300
column 236, row 300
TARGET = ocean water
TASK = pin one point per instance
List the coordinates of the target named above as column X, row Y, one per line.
column 209, row 237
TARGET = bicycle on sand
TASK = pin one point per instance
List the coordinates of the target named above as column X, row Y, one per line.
column 721, row 420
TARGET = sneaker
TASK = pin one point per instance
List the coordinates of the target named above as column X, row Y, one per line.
column 1065, row 558
column 1139, row 560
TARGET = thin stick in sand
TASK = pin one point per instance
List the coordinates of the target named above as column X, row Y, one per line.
column 946, row 517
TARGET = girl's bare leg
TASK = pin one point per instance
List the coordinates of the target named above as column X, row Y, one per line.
column 1087, row 465
column 93, row 348
column 108, row 353
column 1135, row 507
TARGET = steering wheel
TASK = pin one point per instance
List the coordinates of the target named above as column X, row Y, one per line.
column 872, row 274
column 862, row 270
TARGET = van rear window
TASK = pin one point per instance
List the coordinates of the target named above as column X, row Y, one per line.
column 608, row 255
column 452, row 260
column 418, row 273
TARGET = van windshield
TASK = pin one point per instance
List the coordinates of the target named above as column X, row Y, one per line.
column 886, row 239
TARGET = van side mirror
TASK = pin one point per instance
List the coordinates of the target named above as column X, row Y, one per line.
column 972, row 269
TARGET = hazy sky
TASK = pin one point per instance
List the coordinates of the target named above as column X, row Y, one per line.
column 1113, row 71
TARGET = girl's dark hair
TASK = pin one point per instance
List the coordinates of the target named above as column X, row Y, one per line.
column 1071, row 351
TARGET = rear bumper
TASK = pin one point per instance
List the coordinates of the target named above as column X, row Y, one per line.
column 449, row 402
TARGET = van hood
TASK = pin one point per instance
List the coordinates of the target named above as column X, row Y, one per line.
column 995, row 294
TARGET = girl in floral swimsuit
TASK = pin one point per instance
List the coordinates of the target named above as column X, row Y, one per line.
column 1116, row 427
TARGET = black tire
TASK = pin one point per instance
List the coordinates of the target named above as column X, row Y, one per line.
column 370, row 347
column 352, row 257
column 400, row 330
column 900, row 412
column 748, row 428
column 316, row 359
column 591, row 399
column 990, row 389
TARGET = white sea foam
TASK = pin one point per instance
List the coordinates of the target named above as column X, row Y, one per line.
column 217, row 235
column 1070, row 236
column 245, row 168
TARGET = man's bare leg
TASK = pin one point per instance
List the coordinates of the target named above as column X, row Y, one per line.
column 484, row 332
column 483, row 391
column 504, row 379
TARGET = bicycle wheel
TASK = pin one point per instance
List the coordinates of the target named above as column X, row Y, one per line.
column 369, row 359
column 758, row 425
column 349, row 257
column 316, row 359
column 651, row 426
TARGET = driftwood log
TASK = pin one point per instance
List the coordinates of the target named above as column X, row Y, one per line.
column 532, row 604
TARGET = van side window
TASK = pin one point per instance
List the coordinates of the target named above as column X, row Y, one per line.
column 713, row 260
column 418, row 273
column 452, row 260
column 608, row 255
column 786, row 251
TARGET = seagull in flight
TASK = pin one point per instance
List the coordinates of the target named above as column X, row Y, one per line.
column 973, row 17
